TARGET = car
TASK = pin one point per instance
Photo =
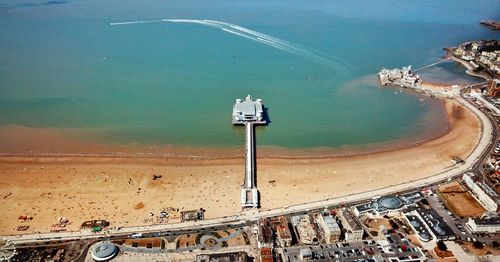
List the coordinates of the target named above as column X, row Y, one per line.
column 136, row 235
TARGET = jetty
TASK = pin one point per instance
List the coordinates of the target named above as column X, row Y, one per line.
column 250, row 113
column 495, row 25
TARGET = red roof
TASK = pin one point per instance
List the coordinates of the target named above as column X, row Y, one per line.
column 266, row 254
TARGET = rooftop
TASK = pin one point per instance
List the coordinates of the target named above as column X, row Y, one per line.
column 306, row 233
column 248, row 111
column 331, row 224
column 223, row 257
column 390, row 202
column 435, row 222
column 104, row 251
column 419, row 227
column 483, row 186
column 351, row 222
column 487, row 221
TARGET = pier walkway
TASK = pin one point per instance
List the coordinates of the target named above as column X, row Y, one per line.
column 249, row 192
column 431, row 65
column 250, row 155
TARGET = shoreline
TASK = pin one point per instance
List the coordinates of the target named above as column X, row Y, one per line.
column 271, row 152
column 102, row 188
column 54, row 144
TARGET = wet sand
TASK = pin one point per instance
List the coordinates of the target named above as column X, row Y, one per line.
column 85, row 187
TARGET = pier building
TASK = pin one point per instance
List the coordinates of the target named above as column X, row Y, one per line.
column 249, row 112
column 399, row 77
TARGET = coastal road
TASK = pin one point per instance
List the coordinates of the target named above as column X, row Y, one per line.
column 473, row 161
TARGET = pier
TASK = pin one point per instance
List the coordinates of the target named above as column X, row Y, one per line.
column 249, row 155
column 431, row 65
column 249, row 113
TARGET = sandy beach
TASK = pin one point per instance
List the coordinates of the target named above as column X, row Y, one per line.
column 122, row 189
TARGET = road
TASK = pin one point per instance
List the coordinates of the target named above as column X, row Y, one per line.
column 473, row 161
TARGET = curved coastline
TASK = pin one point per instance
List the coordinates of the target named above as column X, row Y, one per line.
column 74, row 183
column 21, row 141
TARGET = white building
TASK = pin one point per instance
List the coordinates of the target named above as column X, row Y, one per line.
column 353, row 231
column 489, row 225
column 103, row 251
column 331, row 230
column 248, row 111
column 305, row 232
column 482, row 192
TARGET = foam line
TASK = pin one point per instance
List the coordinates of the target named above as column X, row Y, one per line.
column 286, row 46
column 189, row 21
column 256, row 39
column 312, row 55
column 136, row 22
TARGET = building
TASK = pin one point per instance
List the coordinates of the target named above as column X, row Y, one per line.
column 305, row 232
column 265, row 237
column 418, row 226
column 432, row 221
column 484, row 194
column 486, row 224
column 305, row 254
column 478, row 96
column 387, row 205
column 329, row 227
column 223, row 257
column 494, row 88
column 399, row 77
column 353, row 231
column 104, row 251
column 248, row 110
column 369, row 250
column 282, row 229
column 266, row 254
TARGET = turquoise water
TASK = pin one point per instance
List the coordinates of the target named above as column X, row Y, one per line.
column 449, row 72
column 64, row 66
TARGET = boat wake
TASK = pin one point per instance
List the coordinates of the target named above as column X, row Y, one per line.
column 340, row 67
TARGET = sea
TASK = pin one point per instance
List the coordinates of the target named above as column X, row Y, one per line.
column 167, row 73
